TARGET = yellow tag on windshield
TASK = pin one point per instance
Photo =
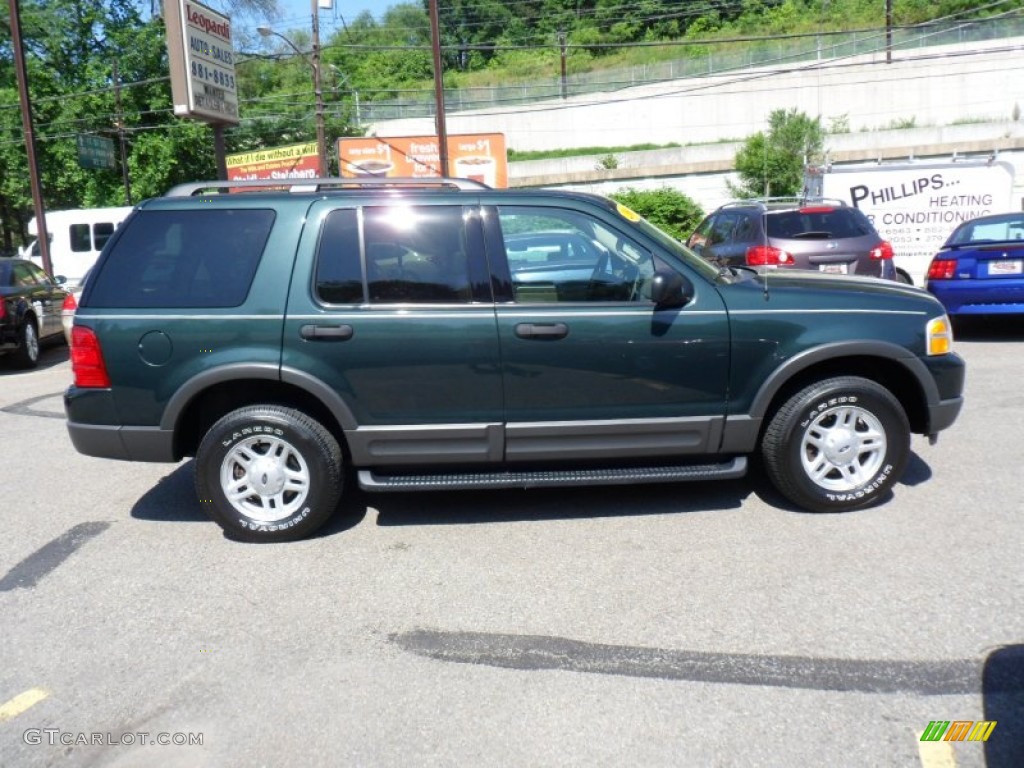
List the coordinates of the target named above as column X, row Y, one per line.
column 627, row 213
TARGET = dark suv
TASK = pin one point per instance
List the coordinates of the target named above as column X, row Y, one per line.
column 820, row 235
column 444, row 335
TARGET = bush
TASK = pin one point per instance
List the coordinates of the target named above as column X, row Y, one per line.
column 667, row 209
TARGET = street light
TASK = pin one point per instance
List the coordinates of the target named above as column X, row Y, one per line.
column 314, row 62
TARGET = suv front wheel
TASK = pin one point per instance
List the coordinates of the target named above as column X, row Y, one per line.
column 837, row 445
column 268, row 473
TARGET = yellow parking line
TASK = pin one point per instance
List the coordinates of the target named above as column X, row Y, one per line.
column 20, row 703
column 936, row 754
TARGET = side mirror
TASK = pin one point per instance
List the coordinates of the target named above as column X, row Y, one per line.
column 670, row 290
column 59, row 279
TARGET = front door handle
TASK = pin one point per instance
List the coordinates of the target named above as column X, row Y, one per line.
column 326, row 332
column 542, row 330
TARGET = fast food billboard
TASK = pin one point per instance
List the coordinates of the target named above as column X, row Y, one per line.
column 202, row 64
column 295, row 161
column 477, row 156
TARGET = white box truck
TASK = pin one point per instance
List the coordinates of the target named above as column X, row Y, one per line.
column 915, row 206
column 76, row 239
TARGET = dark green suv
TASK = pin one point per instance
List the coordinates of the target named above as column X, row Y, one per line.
column 444, row 335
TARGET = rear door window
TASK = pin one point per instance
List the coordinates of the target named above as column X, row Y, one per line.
column 183, row 258
column 81, row 240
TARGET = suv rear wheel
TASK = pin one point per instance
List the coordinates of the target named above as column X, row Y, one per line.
column 836, row 445
column 267, row 473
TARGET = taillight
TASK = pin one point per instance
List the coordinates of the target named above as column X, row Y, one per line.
column 767, row 255
column 70, row 304
column 882, row 252
column 817, row 209
column 87, row 359
column 3, row 309
column 942, row 269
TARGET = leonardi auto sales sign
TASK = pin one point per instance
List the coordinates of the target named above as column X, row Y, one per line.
column 202, row 62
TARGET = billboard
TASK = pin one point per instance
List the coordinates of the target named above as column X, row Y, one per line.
column 477, row 156
column 201, row 61
column 295, row 161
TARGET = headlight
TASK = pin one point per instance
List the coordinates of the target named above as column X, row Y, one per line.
column 939, row 336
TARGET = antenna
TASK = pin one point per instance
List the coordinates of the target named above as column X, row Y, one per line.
column 764, row 230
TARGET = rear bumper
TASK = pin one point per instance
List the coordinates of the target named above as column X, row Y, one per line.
column 980, row 297
column 125, row 443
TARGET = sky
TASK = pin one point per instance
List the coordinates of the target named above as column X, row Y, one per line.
column 295, row 14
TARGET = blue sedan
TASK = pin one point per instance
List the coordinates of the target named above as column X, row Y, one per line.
column 980, row 268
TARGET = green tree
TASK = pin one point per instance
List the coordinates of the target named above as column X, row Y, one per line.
column 666, row 208
column 771, row 164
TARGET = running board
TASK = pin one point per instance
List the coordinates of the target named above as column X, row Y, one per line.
column 733, row 468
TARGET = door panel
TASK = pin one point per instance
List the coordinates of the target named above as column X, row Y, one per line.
column 603, row 371
column 386, row 314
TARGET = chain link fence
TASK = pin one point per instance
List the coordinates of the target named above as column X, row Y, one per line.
column 702, row 60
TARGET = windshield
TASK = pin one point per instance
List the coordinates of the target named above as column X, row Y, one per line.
column 679, row 250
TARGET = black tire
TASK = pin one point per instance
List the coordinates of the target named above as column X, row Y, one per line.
column 27, row 353
column 837, row 445
column 295, row 488
column 903, row 277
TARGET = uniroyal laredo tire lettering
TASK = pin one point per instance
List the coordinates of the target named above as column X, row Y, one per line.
column 282, row 526
column 250, row 431
column 860, row 493
column 824, row 406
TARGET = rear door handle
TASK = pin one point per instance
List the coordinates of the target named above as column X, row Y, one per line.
column 542, row 330
column 326, row 332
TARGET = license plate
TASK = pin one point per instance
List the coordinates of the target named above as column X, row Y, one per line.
column 1009, row 267
column 833, row 269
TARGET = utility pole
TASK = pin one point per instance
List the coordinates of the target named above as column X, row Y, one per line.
column 318, row 92
column 119, row 124
column 30, row 136
column 561, row 46
column 439, row 122
column 888, row 31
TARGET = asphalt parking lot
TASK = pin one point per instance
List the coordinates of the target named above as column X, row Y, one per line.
column 682, row 625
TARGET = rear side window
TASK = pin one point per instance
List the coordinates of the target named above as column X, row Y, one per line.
column 185, row 258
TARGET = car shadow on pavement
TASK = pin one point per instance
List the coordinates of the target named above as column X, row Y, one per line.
column 50, row 356
column 520, row 505
column 989, row 328
column 1002, row 689
column 173, row 499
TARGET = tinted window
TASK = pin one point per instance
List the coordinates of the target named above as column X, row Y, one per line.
column 23, row 276
column 339, row 276
column 416, row 254
column 824, row 223
column 563, row 256
column 80, row 238
column 101, row 232
column 183, row 259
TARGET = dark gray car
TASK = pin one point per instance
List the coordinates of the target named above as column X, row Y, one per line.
column 821, row 235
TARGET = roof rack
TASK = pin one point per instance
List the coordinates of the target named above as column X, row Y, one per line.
column 764, row 202
column 300, row 186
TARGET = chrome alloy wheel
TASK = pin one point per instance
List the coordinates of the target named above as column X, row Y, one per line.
column 31, row 342
column 843, row 448
column 265, row 478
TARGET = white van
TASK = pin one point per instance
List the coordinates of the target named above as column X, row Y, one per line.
column 76, row 239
